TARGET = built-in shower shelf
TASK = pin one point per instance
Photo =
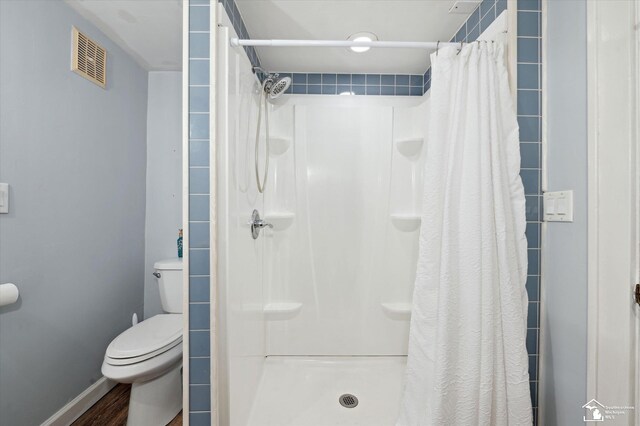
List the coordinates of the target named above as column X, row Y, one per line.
column 410, row 148
column 280, row 220
column 405, row 222
column 278, row 145
column 397, row 310
column 281, row 310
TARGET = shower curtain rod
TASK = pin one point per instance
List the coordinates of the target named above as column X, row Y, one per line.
column 432, row 45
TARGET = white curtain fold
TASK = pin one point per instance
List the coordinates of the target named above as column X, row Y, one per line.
column 467, row 361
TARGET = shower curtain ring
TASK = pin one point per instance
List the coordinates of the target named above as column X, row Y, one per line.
column 437, row 47
column 460, row 50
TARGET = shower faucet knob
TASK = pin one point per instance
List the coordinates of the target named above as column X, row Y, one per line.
column 256, row 224
column 262, row 224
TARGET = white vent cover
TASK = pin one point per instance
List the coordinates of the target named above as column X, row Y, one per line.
column 89, row 59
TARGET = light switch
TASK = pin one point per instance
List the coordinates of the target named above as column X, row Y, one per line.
column 558, row 206
column 550, row 205
column 4, row 198
column 561, row 206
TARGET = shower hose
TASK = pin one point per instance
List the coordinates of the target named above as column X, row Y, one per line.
column 263, row 100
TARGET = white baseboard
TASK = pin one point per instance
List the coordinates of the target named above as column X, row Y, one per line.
column 81, row 403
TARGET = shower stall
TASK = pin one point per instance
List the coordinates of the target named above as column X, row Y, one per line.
column 318, row 305
column 318, row 205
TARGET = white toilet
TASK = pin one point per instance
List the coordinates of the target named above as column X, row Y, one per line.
column 149, row 355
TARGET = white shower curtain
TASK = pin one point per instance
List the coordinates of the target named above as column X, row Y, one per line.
column 467, row 361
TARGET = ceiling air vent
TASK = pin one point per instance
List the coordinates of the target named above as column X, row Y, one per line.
column 89, row 59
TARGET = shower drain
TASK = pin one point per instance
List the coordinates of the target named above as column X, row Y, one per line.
column 348, row 401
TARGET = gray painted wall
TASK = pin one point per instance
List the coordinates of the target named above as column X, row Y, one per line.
column 164, row 178
column 564, row 271
column 74, row 155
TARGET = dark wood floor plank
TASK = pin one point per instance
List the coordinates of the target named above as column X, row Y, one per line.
column 177, row 420
column 112, row 410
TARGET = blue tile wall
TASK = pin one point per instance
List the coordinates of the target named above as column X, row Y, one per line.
column 529, row 119
column 199, row 206
column 355, row 84
column 199, row 224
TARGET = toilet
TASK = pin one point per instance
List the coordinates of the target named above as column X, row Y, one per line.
column 149, row 355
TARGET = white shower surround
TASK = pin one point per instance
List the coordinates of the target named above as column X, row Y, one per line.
column 335, row 276
column 241, row 325
column 344, row 198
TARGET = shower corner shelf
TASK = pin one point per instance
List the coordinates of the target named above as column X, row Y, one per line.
column 280, row 220
column 406, row 222
column 410, row 148
column 397, row 310
column 281, row 310
column 278, row 145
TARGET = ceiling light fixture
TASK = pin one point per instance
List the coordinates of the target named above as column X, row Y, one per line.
column 362, row 36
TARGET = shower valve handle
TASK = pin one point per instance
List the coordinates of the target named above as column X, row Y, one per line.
column 256, row 224
column 262, row 224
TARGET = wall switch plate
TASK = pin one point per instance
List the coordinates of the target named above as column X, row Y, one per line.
column 558, row 206
column 4, row 198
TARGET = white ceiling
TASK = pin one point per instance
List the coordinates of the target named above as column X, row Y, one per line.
column 390, row 20
column 149, row 30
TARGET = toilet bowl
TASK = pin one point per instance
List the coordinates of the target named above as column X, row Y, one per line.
column 149, row 355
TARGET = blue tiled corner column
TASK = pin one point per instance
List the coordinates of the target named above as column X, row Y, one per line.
column 199, row 223
column 529, row 112
column 200, row 381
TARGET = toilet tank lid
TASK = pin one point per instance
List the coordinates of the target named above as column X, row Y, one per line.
column 169, row 264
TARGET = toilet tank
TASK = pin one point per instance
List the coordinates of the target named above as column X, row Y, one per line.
column 168, row 273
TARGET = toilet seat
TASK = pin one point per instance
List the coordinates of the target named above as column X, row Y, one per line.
column 145, row 340
column 146, row 350
column 135, row 360
column 144, row 370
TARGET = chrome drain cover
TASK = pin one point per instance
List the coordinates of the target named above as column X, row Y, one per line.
column 348, row 401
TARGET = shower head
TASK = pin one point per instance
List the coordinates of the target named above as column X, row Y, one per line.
column 278, row 86
column 272, row 84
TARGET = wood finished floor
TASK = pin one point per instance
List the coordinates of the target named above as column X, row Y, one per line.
column 112, row 410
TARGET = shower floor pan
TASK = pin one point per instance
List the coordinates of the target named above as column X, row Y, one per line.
column 305, row 391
